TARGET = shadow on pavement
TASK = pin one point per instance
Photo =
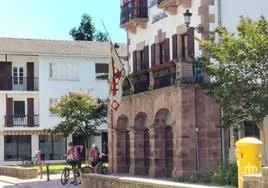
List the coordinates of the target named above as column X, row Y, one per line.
column 42, row 184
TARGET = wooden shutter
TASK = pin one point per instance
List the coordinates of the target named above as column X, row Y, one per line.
column 5, row 76
column 9, row 112
column 134, row 61
column 190, row 42
column 146, row 57
column 166, row 51
column 30, row 76
column 30, row 112
column 174, row 47
column 152, row 55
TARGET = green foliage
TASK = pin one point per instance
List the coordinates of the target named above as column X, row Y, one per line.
column 101, row 36
column 81, row 114
column 219, row 177
column 87, row 31
column 238, row 65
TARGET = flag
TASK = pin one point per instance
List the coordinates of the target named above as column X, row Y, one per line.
column 117, row 74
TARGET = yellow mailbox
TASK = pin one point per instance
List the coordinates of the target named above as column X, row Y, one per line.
column 248, row 155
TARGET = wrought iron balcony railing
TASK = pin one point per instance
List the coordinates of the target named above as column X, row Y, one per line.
column 22, row 120
column 19, row 83
column 134, row 11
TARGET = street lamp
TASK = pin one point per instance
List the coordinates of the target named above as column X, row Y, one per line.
column 187, row 20
column 187, row 17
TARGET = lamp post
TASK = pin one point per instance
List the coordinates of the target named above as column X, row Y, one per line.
column 187, row 20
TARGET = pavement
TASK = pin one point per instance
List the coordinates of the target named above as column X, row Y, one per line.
column 11, row 182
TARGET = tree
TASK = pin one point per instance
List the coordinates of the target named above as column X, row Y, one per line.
column 87, row 31
column 81, row 115
column 100, row 36
column 238, row 65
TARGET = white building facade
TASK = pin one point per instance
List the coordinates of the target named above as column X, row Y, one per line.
column 163, row 59
column 34, row 74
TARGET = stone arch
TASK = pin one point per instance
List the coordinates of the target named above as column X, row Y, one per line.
column 122, row 145
column 161, row 140
column 138, row 150
column 163, row 118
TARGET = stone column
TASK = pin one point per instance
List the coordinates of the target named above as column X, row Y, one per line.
column 137, row 166
column 2, row 150
column 157, row 150
column 35, row 145
column 120, row 162
column 151, row 80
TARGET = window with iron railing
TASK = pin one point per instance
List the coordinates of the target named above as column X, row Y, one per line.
column 133, row 9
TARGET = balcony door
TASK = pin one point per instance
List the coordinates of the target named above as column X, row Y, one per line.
column 19, row 118
column 18, row 75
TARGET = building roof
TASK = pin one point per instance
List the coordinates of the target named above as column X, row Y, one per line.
column 21, row 46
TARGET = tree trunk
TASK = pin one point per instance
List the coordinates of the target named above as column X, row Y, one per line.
column 86, row 149
column 262, row 138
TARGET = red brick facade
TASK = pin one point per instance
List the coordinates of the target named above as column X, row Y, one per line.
column 154, row 133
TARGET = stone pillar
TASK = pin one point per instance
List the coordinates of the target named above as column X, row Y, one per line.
column 264, row 175
column 151, row 80
column 178, row 72
column 35, row 144
column 137, row 166
column 120, row 158
column 186, row 71
column 157, row 150
column 2, row 150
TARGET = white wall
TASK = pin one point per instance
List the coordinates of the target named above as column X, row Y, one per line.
column 168, row 24
column 233, row 9
column 17, row 96
column 51, row 88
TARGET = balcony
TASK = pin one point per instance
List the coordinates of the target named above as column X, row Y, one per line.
column 134, row 14
column 22, row 121
column 19, row 84
column 171, row 5
column 164, row 75
column 140, row 81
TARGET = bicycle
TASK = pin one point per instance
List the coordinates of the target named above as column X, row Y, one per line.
column 29, row 160
column 65, row 175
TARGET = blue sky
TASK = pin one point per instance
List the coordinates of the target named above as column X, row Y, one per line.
column 53, row 19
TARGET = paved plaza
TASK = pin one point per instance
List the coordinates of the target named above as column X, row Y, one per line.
column 10, row 182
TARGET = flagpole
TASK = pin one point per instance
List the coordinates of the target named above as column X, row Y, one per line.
column 111, row 42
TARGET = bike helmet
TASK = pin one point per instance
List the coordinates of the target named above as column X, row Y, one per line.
column 93, row 145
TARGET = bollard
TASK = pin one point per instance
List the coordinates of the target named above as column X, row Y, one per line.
column 41, row 171
column 47, row 172
column 248, row 157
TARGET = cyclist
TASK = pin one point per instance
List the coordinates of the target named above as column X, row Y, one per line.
column 72, row 159
column 95, row 157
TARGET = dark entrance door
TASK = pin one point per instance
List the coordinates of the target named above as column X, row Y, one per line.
column 104, row 144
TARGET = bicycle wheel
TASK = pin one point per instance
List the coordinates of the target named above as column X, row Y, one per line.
column 65, row 176
column 87, row 170
column 105, row 171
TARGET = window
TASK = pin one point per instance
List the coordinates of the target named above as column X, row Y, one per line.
column 102, row 71
column 64, row 71
column 184, row 46
column 17, row 148
column 18, row 75
column 52, row 147
column 142, row 64
column 161, row 52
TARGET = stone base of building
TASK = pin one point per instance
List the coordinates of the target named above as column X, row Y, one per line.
column 167, row 131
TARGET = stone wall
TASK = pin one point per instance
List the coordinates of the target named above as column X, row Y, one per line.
column 18, row 172
column 104, row 181
column 181, row 121
column 256, row 180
